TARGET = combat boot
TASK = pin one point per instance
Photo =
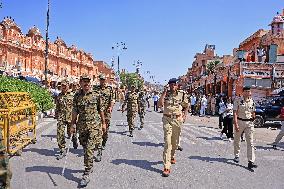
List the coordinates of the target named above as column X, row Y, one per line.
column 173, row 161
column 251, row 165
column 141, row 126
column 62, row 154
column 85, row 180
column 179, row 148
column 98, row 158
column 131, row 133
column 103, row 144
column 274, row 147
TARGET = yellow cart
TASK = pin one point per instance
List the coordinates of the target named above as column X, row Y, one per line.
column 17, row 121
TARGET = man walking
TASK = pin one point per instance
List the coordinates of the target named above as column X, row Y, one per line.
column 193, row 103
column 90, row 125
column 63, row 114
column 131, row 100
column 175, row 104
column 244, row 114
column 156, row 99
column 107, row 102
column 142, row 107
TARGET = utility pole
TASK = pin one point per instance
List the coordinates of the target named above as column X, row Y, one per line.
column 46, row 44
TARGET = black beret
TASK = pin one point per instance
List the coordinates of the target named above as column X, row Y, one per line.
column 246, row 88
column 173, row 80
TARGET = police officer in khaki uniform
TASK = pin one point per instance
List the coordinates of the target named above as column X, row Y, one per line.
column 244, row 115
column 175, row 103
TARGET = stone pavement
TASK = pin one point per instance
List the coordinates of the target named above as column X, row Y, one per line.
column 205, row 162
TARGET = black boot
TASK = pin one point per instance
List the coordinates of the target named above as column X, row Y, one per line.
column 98, row 158
column 131, row 133
column 61, row 155
column 75, row 143
column 251, row 165
column 104, row 144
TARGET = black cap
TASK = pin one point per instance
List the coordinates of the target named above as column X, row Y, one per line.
column 246, row 88
column 173, row 80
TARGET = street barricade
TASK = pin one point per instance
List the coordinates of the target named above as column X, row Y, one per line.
column 17, row 121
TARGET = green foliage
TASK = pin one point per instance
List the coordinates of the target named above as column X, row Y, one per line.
column 210, row 66
column 41, row 97
column 128, row 79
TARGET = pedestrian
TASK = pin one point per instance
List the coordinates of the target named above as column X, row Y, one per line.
column 193, row 103
column 213, row 105
column 5, row 170
column 131, row 100
column 107, row 101
column 279, row 136
column 142, row 103
column 203, row 103
column 222, row 108
column 89, row 120
column 175, row 105
column 244, row 115
column 156, row 99
column 228, row 120
column 63, row 114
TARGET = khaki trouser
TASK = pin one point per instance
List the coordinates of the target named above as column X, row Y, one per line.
column 248, row 128
column 172, row 128
column 280, row 135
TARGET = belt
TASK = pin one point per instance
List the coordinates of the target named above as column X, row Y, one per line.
column 251, row 119
column 173, row 116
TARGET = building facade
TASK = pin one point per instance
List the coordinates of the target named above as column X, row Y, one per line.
column 25, row 55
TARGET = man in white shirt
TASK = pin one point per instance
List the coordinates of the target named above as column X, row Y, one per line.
column 193, row 103
column 156, row 99
column 203, row 106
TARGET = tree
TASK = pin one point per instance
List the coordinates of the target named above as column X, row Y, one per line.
column 210, row 66
column 128, row 79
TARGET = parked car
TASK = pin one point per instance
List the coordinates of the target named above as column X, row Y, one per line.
column 270, row 110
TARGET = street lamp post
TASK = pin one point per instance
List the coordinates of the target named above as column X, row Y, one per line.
column 138, row 65
column 119, row 47
column 46, row 44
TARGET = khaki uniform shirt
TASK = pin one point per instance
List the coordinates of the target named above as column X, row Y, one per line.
column 244, row 108
column 88, row 107
column 175, row 102
column 64, row 105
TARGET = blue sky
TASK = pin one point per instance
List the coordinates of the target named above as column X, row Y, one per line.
column 163, row 34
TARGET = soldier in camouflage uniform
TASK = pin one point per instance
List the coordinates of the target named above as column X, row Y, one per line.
column 90, row 124
column 106, row 93
column 5, row 172
column 142, row 107
column 63, row 114
column 131, row 100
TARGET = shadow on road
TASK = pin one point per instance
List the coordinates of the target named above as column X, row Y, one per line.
column 68, row 174
column 209, row 138
column 148, row 144
column 44, row 152
column 143, row 164
column 49, row 136
column 221, row 160
column 119, row 132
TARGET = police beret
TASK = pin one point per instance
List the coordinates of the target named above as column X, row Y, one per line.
column 173, row 80
column 85, row 76
column 102, row 76
column 246, row 88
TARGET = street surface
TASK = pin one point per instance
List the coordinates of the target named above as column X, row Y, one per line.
column 205, row 162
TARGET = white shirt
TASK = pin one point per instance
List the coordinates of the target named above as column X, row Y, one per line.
column 222, row 107
column 203, row 101
column 192, row 100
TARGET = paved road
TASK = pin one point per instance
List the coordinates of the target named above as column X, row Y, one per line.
column 205, row 162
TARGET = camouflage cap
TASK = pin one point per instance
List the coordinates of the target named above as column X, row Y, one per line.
column 64, row 82
column 102, row 76
column 85, row 76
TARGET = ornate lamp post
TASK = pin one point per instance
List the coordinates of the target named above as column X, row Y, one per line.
column 119, row 47
column 46, row 44
column 138, row 65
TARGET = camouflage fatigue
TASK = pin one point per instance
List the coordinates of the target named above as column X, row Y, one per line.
column 131, row 100
column 172, row 121
column 142, row 107
column 107, row 97
column 88, row 106
column 63, row 114
column 5, row 171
